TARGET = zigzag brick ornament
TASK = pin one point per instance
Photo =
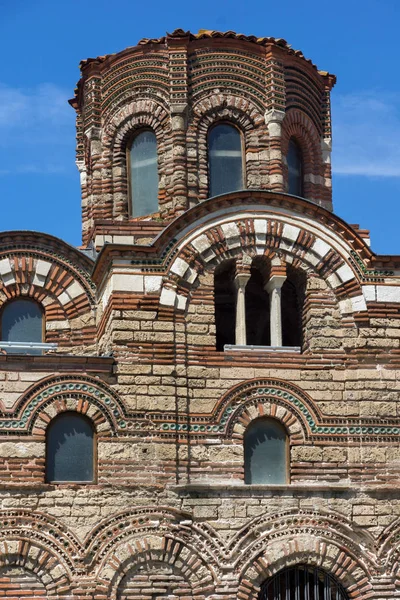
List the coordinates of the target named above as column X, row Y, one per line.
column 202, row 401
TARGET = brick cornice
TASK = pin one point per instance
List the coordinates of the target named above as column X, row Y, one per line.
column 212, row 39
column 57, row 363
column 44, row 242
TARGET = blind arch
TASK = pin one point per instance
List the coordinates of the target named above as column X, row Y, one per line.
column 143, row 173
column 70, row 449
column 265, row 452
column 225, row 159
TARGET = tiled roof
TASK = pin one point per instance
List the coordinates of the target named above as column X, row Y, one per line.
column 202, row 35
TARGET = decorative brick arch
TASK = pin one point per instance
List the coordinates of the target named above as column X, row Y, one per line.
column 140, row 114
column 274, row 542
column 258, row 235
column 133, row 77
column 55, row 275
column 150, row 536
column 266, row 397
column 238, row 111
column 281, row 400
column 389, row 550
column 53, row 395
column 38, row 544
column 152, row 552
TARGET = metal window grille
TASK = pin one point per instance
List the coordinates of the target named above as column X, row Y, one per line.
column 302, row 583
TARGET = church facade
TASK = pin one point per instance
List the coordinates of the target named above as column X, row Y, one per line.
column 202, row 401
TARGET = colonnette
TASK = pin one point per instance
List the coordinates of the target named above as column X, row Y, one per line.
column 203, row 400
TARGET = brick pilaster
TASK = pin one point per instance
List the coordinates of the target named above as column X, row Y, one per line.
column 274, row 115
column 178, row 77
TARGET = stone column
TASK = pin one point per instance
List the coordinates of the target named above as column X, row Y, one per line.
column 273, row 120
column 274, row 287
column 241, row 280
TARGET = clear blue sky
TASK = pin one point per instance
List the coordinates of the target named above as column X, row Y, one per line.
column 42, row 42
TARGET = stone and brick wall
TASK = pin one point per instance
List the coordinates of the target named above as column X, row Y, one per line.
column 168, row 515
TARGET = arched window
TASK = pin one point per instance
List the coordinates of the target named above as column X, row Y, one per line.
column 143, row 170
column 224, row 302
column 70, row 449
column 302, row 582
column 22, row 321
column 265, row 452
column 295, row 168
column 225, row 159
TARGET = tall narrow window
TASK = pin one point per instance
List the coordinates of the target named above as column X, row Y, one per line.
column 225, row 161
column 265, row 452
column 295, row 168
column 302, row 582
column 22, row 321
column 292, row 301
column 224, row 298
column 257, row 309
column 144, row 174
column 70, row 449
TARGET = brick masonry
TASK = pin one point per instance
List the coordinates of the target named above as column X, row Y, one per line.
column 179, row 86
column 169, row 515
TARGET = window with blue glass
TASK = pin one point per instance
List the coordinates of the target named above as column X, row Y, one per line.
column 225, row 159
column 294, row 160
column 266, row 452
column 70, row 449
column 22, row 321
column 143, row 168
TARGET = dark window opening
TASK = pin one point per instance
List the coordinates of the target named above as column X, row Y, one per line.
column 292, row 299
column 295, row 168
column 302, row 583
column 144, row 174
column 225, row 160
column 225, row 304
column 265, row 452
column 70, row 449
column 22, row 321
column 257, row 310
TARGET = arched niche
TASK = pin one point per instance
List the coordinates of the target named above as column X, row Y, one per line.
column 19, row 583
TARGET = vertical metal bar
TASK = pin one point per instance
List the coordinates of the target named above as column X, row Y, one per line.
column 296, row 585
column 316, row 585
column 306, row 584
column 287, row 585
column 327, row 588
